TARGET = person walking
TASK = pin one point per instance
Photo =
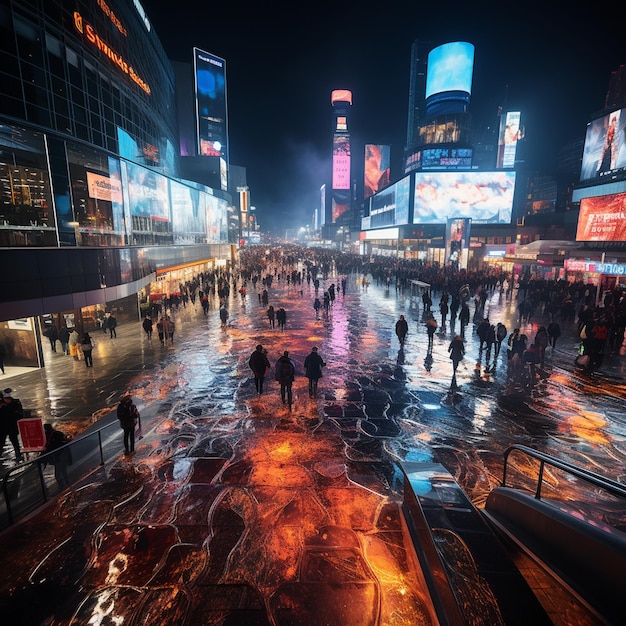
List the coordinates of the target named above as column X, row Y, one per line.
column 541, row 342
column 61, row 459
column 285, row 373
column 464, row 317
column 64, row 338
column 112, row 325
column 74, row 343
column 259, row 364
column 224, row 315
column 128, row 415
column 444, row 308
column 554, row 332
column 317, row 305
column 147, row 325
column 52, row 334
column 501, row 333
column 426, row 301
column 161, row 330
column 271, row 316
column 431, row 327
column 281, row 318
column 482, row 330
column 457, row 352
column 87, row 346
column 169, row 327
column 402, row 329
column 313, row 365
column 10, row 412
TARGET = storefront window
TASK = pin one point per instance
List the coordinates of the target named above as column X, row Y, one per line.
column 26, row 210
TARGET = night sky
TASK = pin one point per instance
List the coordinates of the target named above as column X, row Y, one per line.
column 283, row 60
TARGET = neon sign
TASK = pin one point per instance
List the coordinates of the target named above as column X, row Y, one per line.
column 114, row 19
column 86, row 29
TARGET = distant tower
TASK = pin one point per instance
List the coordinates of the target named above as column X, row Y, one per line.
column 341, row 101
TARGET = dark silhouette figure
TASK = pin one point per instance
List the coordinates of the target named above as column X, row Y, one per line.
column 285, row 373
column 313, row 365
column 259, row 364
column 402, row 329
column 128, row 415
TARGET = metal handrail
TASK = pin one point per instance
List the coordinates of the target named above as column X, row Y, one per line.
column 611, row 486
column 41, row 461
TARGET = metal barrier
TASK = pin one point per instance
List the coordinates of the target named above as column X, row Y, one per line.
column 610, row 486
column 30, row 484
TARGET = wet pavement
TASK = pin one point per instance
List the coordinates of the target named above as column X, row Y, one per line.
column 235, row 510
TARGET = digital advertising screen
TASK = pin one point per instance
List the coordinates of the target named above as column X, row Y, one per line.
column 602, row 218
column 211, row 114
column 457, row 242
column 391, row 206
column 510, row 133
column 450, row 68
column 377, row 168
column 446, row 158
column 604, row 150
column 188, row 214
column 340, row 203
column 485, row 197
column 341, row 162
column 148, row 193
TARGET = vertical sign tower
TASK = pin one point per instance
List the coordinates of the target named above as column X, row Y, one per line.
column 341, row 101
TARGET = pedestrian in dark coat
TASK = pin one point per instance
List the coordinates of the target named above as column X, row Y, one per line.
column 457, row 351
column 313, row 365
column 128, row 415
column 10, row 412
column 402, row 328
column 61, row 459
column 285, row 373
column 64, row 338
column 431, row 327
column 259, row 364
column 147, row 326
column 482, row 330
column 86, row 346
column 52, row 334
column 541, row 343
column 281, row 318
column 554, row 332
column 112, row 325
column 271, row 315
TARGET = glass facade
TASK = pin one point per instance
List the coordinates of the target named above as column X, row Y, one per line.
column 87, row 132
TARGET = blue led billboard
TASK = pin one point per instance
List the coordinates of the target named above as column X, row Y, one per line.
column 450, row 68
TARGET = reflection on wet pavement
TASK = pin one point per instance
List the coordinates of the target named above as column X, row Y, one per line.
column 235, row 510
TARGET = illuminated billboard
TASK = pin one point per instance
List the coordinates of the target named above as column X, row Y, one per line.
column 391, row 206
column 377, row 168
column 211, row 114
column 604, row 150
column 340, row 203
column 341, row 162
column 457, row 242
column 148, row 193
column 188, row 214
column 510, row 133
column 602, row 218
column 485, row 197
column 450, row 68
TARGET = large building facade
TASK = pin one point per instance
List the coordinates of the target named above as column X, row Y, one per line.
column 93, row 202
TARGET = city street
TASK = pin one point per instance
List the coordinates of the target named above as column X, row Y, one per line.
column 233, row 505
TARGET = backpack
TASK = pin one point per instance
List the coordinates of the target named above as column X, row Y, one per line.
column 501, row 332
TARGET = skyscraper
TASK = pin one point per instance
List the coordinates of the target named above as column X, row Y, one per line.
column 341, row 101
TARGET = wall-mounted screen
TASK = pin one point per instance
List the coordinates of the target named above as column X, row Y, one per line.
column 390, row 207
column 510, row 133
column 341, row 162
column 604, row 152
column 485, row 197
column 377, row 168
column 211, row 116
column 602, row 218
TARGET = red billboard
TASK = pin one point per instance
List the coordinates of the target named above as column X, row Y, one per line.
column 602, row 218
